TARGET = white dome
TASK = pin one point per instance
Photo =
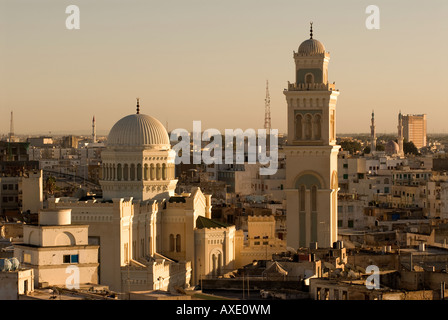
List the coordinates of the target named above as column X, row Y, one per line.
column 392, row 147
column 138, row 130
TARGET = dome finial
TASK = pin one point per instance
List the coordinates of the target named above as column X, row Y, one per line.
column 138, row 106
column 311, row 30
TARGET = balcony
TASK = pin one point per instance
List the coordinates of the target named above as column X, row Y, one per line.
column 311, row 87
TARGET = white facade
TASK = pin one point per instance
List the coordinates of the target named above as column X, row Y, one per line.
column 55, row 251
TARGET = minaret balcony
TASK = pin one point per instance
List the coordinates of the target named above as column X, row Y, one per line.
column 311, row 87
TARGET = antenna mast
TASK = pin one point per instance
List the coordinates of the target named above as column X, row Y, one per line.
column 267, row 110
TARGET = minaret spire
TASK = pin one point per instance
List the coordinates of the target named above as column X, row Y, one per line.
column 93, row 130
column 11, row 128
column 311, row 30
column 400, row 135
column 138, row 105
column 372, row 134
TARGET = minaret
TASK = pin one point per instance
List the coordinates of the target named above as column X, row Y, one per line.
column 372, row 134
column 11, row 129
column 400, row 135
column 93, row 130
column 311, row 152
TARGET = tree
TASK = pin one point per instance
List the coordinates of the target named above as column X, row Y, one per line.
column 350, row 146
column 367, row 150
column 410, row 148
column 50, row 184
column 380, row 147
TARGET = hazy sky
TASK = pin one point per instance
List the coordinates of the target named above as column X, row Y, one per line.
column 209, row 60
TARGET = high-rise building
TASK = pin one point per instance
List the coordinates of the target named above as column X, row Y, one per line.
column 414, row 129
column 311, row 150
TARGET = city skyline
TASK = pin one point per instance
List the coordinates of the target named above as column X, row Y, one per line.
column 210, row 62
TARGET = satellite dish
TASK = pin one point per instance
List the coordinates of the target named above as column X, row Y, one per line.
column 15, row 264
column 5, row 265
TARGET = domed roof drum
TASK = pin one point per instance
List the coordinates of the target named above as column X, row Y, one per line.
column 138, row 130
column 311, row 46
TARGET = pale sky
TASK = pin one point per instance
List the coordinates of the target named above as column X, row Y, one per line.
column 209, row 60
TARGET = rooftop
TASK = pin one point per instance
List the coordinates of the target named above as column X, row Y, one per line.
column 203, row 222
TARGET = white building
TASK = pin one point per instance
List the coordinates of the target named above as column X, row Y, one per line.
column 149, row 237
column 55, row 249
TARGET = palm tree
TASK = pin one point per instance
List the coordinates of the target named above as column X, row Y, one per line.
column 50, row 185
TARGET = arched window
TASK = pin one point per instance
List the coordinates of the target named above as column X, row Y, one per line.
column 158, row 172
column 119, row 172
column 302, row 197
column 214, row 264
column 178, row 244
column 145, row 172
column 219, row 263
column 309, row 78
column 298, row 124
column 132, row 173
column 171, row 243
column 164, row 171
column 139, row 172
column 313, row 198
column 317, row 127
column 126, row 172
column 308, row 127
column 152, row 172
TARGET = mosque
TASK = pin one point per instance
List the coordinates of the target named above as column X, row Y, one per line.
column 149, row 237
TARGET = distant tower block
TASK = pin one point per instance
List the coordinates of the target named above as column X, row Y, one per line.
column 267, row 110
column 311, row 152
column 372, row 134
column 93, row 130
column 414, row 129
